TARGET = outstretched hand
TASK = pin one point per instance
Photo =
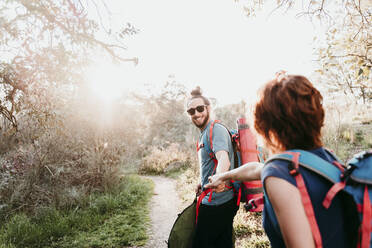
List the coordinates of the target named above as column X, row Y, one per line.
column 216, row 183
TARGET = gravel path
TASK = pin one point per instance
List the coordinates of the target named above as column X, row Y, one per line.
column 164, row 209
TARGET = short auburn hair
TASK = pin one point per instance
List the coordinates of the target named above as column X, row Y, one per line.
column 290, row 109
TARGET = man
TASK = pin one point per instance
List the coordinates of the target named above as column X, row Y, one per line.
column 214, row 226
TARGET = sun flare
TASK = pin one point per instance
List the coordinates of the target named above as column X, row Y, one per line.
column 105, row 81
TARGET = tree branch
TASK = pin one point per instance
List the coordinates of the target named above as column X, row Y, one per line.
column 107, row 47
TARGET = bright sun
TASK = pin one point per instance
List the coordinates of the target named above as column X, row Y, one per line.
column 105, row 81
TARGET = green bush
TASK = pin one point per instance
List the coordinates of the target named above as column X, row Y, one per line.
column 20, row 232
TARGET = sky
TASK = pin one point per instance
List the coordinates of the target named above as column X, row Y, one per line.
column 208, row 43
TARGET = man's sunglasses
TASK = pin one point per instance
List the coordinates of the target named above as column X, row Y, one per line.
column 199, row 108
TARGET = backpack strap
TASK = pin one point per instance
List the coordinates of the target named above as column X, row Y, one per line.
column 313, row 163
column 359, row 170
column 211, row 135
column 305, row 198
column 203, row 194
column 208, row 144
column 366, row 221
column 211, row 153
column 209, row 147
column 320, row 166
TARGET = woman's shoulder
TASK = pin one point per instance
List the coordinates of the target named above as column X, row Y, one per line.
column 276, row 168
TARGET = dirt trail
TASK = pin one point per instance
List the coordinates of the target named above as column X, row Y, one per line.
column 163, row 211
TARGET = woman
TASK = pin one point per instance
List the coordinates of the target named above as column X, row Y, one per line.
column 290, row 115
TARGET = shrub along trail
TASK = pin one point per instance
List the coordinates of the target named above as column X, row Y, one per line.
column 163, row 211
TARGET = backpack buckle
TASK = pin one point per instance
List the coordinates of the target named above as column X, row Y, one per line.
column 347, row 172
column 255, row 203
column 293, row 166
column 293, row 170
column 212, row 155
column 250, row 205
column 363, row 155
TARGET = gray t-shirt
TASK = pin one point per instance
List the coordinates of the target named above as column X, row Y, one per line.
column 221, row 142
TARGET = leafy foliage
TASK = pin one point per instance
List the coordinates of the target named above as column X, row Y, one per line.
column 164, row 115
column 45, row 43
column 345, row 58
column 230, row 113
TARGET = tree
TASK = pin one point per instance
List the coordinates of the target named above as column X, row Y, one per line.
column 229, row 114
column 164, row 115
column 345, row 56
column 44, row 43
column 56, row 146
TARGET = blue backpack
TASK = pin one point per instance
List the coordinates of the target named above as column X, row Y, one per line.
column 355, row 179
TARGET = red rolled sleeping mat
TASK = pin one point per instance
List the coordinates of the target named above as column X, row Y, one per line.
column 249, row 153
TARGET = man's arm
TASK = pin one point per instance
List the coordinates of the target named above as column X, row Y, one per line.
column 221, row 140
column 222, row 167
column 223, row 162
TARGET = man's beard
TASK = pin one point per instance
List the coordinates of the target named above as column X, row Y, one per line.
column 206, row 118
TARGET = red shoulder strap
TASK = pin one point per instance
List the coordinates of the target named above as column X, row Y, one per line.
column 211, row 133
column 366, row 222
column 305, row 198
column 205, row 192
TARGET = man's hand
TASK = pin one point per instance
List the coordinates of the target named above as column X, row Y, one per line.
column 198, row 189
column 217, row 183
column 221, row 188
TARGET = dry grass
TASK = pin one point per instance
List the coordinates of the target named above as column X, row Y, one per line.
column 186, row 184
column 55, row 166
column 348, row 129
column 159, row 160
column 249, row 231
